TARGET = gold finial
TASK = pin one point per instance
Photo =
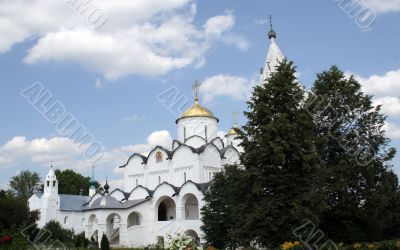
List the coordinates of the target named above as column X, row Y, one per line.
column 196, row 90
column 235, row 118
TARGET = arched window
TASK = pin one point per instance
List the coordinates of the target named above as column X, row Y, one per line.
column 159, row 157
column 48, row 183
column 137, row 182
column 65, row 220
column 184, row 133
column 205, row 132
column 54, row 183
column 159, row 179
column 184, row 177
column 209, row 176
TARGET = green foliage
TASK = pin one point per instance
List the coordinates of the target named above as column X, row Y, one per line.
column 14, row 212
column 222, row 212
column 57, row 232
column 23, row 185
column 19, row 242
column 280, row 158
column 105, row 245
column 70, row 182
column 360, row 189
column 80, row 240
column 323, row 157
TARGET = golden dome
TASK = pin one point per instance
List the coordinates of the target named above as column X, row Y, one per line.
column 232, row 131
column 197, row 111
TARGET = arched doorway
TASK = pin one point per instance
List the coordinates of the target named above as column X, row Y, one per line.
column 92, row 232
column 166, row 209
column 191, row 205
column 112, row 228
column 134, row 219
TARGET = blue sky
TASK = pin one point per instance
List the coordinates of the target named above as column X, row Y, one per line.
column 109, row 77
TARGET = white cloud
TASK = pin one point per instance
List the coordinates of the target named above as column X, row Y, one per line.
column 392, row 130
column 217, row 25
column 390, row 105
column 62, row 151
column 225, row 85
column 384, row 85
column 382, row 89
column 383, row 6
column 139, row 37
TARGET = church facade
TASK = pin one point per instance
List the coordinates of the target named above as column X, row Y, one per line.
column 163, row 190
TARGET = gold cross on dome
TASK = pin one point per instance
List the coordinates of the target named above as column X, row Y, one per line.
column 196, row 89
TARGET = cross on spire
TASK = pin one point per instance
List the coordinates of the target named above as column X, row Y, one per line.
column 196, row 90
column 270, row 21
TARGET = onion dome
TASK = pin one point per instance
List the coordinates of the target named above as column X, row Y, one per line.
column 106, row 187
column 232, row 131
column 271, row 34
column 196, row 110
column 92, row 182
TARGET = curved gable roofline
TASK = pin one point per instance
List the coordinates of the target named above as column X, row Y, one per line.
column 142, row 187
column 168, row 152
column 176, row 189
column 91, row 198
column 193, row 136
column 202, row 187
column 218, row 138
column 144, row 158
column 223, row 151
column 198, row 150
column 119, row 190
column 177, row 142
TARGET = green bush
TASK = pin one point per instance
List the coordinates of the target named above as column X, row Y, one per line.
column 387, row 245
column 80, row 240
column 105, row 245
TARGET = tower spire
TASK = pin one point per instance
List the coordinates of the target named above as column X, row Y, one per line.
column 274, row 56
column 271, row 33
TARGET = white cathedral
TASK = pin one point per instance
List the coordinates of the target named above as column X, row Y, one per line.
column 163, row 191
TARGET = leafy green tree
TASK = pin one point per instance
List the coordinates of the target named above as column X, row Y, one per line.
column 280, row 158
column 14, row 212
column 222, row 213
column 70, row 182
column 104, row 245
column 57, row 232
column 353, row 151
column 23, row 185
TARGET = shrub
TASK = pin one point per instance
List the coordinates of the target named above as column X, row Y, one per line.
column 80, row 240
column 105, row 245
column 181, row 241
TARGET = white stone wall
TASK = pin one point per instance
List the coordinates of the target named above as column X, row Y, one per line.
column 197, row 126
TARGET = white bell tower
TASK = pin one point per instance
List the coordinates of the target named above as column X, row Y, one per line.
column 50, row 199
